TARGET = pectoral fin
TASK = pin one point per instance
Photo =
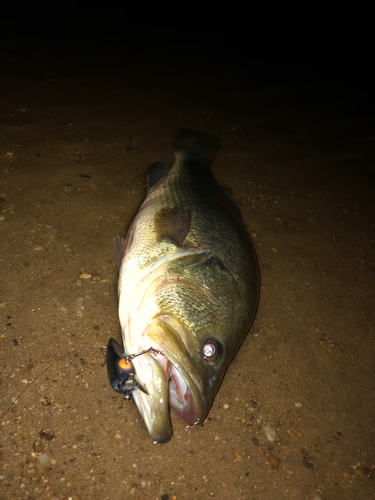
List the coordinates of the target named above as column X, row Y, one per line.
column 120, row 249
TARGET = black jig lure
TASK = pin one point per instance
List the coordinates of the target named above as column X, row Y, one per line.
column 121, row 371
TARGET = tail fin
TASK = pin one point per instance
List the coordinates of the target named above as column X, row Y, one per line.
column 196, row 147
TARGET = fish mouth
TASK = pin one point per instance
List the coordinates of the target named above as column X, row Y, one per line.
column 171, row 381
column 183, row 395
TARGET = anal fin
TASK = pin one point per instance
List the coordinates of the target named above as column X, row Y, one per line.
column 228, row 193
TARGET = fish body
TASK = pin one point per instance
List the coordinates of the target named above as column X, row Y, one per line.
column 188, row 286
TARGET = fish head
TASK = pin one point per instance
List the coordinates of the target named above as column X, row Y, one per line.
column 182, row 371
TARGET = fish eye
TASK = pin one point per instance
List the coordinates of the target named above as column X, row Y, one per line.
column 210, row 350
column 118, row 386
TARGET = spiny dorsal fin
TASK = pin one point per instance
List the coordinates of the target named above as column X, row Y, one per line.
column 196, row 147
column 156, row 172
column 173, row 223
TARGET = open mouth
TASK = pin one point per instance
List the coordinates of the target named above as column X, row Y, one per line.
column 168, row 387
column 180, row 397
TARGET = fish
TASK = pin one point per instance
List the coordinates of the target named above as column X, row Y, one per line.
column 188, row 289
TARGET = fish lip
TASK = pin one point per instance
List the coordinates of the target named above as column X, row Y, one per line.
column 154, row 407
column 160, row 433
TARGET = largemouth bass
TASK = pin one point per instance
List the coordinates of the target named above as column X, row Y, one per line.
column 188, row 289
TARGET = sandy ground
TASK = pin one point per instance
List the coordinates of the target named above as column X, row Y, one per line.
column 294, row 417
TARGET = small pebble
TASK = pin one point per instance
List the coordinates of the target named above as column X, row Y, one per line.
column 298, row 405
column 44, row 459
column 269, row 432
column 38, row 446
column 46, row 434
column 226, row 407
column 274, row 461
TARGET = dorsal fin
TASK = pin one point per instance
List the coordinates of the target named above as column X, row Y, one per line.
column 197, row 147
column 173, row 223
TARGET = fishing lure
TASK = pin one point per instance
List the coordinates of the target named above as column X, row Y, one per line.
column 121, row 371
